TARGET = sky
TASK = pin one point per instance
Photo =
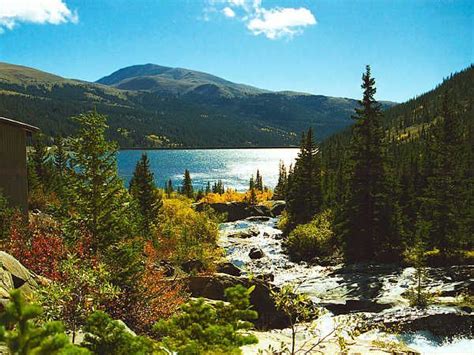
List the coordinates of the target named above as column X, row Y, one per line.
column 315, row 46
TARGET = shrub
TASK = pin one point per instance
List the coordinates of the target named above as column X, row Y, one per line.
column 184, row 234
column 107, row 336
column 201, row 328
column 20, row 333
column 84, row 288
column 313, row 239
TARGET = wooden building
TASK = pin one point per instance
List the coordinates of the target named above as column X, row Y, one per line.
column 13, row 174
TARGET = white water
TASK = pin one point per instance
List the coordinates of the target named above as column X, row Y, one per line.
column 319, row 283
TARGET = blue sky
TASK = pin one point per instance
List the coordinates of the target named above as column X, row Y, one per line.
column 312, row 46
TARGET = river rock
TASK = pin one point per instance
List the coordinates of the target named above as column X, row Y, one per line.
column 235, row 211
column 258, row 219
column 192, row 266
column 440, row 321
column 256, row 253
column 248, row 233
column 229, row 269
column 213, row 287
column 278, row 207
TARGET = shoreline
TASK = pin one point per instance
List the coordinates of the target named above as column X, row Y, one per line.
column 207, row 148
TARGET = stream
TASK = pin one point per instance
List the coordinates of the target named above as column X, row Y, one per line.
column 374, row 290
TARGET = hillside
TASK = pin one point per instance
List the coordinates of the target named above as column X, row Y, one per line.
column 154, row 106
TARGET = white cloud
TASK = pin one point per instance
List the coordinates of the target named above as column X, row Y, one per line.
column 281, row 22
column 273, row 23
column 53, row 12
column 228, row 12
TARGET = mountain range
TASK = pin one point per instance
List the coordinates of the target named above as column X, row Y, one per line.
column 155, row 106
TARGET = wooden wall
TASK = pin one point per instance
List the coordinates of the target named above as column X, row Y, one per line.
column 13, row 175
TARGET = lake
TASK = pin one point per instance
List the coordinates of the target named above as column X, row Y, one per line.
column 233, row 166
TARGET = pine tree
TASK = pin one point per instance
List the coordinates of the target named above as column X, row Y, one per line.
column 208, row 188
column 443, row 193
column 282, row 185
column 251, row 183
column 40, row 160
column 367, row 211
column 304, row 195
column 187, row 187
column 98, row 196
column 144, row 191
column 60, row 156
column 259, row 181
column 169, row 189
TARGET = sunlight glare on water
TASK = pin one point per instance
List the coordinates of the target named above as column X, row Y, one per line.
column 233, row 166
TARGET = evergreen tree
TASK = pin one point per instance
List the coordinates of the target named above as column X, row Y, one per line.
column 60, row 156
column 99, row 198
column 282, row 185
column 304, row 195
column 251, row 183
column 169, row 189
column 208, row 188
column 40, row 161
column 443, row 193
column 187, row 187
column 259, row 181
column 367, row 224
column 144, row 191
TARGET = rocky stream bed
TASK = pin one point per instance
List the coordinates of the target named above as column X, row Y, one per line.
column 377, row 293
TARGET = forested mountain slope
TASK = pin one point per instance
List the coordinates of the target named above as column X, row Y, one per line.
column 182, row 108
column 428, row 147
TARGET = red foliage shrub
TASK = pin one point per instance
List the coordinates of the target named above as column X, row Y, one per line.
column 156, row 297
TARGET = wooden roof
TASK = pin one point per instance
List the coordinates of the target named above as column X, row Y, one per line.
column 18, row 124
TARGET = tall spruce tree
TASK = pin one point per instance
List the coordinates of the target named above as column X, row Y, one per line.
column 304, row 196
column 367, row 211
column 100, row 201
column 259, row 181
column 144, row 191
column 282, row 185
column 169, row 189
column 187, row 187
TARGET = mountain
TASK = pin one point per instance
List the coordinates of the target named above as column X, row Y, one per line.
column 155, row 106
column 175, row 81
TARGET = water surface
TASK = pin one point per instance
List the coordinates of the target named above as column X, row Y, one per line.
column 233, row 166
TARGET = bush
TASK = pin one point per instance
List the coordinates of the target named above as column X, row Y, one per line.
column 201, row 328
column 184, row 234
column 107, row 336
column 313, row 239
column 21, row 334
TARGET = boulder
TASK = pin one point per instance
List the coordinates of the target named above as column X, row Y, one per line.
column 213, row 287
column 258, row 219
column 440, row 321
column 13, row 275
column 192, row 266
column 256, row 253
column 277, row 207
column 229, row 269
column 166, row 267
column 235, row 211
column 248, row 233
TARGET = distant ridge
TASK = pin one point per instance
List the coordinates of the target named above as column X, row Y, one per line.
column 156, row 106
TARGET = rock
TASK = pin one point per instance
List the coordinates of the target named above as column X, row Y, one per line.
column 192, row 266
column 266, row 277
column 248, row 233
column 278, row 207
column 166, row 267
column 256, row 253
column 352, row 306
column 229, row 269
column 236, row 210
column 258, row 219
column 213, row 286
column 442, row 322
column 13, row 275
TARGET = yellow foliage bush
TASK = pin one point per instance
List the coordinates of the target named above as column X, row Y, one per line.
column 184, row 234
column 234, row 196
